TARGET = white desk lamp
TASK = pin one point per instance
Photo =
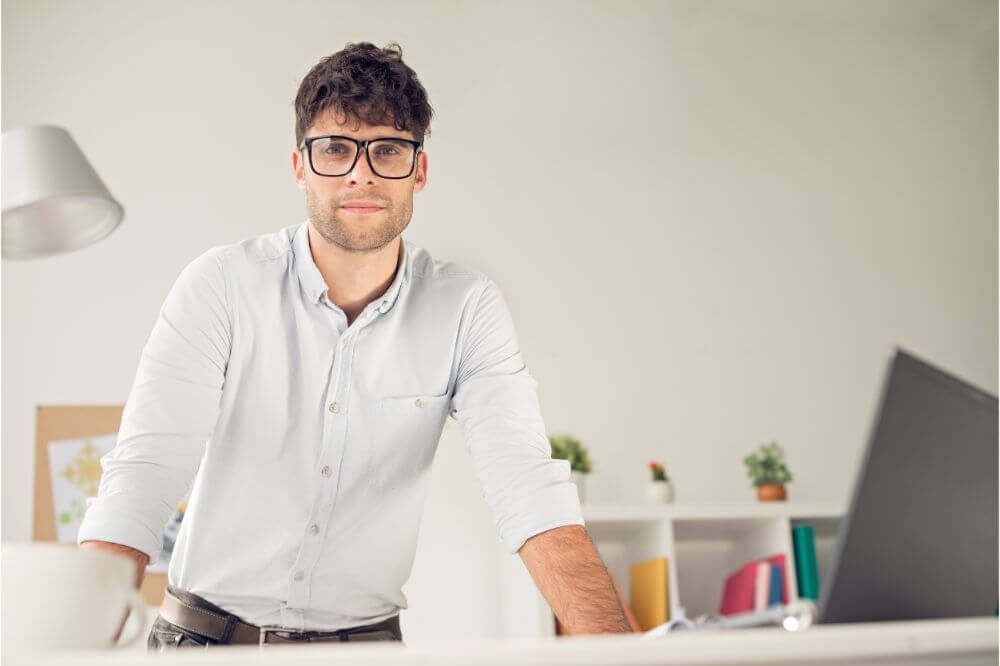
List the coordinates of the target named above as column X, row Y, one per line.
column 53, row 200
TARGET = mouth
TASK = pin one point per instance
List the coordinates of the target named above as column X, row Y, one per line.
column 362, row 207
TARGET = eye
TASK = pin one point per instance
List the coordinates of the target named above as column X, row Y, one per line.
column 335, row 149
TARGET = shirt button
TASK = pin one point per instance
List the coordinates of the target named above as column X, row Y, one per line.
column 343, row 342
column 326, row 471
column 334, row 407
column 314, row 530
column 299, row 575
column 419, row 402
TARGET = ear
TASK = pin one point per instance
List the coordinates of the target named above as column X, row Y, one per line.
column 298, row 168
column 421, row 172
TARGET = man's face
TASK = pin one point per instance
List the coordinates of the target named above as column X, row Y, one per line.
column 337, row 205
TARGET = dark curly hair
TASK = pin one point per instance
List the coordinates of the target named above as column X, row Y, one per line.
column 368, row 84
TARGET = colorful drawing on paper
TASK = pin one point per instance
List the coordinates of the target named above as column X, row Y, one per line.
column 75, row 468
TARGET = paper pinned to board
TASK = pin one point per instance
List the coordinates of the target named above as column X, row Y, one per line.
column 75, row 469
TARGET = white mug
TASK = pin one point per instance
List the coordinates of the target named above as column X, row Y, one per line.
column 61, row 597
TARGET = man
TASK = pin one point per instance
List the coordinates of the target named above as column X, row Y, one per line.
column 302, row 379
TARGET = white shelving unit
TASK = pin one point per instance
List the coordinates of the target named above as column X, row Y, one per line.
column 703, row 543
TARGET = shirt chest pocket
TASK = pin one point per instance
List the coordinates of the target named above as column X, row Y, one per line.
column 404, row 437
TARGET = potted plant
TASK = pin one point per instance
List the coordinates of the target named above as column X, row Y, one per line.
column 767, row 471
column 567, row 447
column 659, row 488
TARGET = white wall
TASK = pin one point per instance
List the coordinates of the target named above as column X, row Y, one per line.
column 711, row 219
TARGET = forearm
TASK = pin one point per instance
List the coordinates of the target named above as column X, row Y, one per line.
column 574, row 581
column 140, row 558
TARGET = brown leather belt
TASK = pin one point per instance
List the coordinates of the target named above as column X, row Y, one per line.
column 229, row 629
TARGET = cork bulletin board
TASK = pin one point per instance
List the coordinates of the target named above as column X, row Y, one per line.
column 55, row 423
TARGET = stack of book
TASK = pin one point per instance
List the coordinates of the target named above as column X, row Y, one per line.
column 757, row 585
column 760, row 584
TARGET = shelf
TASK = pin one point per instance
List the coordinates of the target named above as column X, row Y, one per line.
column 706, row 541
column 610, row 513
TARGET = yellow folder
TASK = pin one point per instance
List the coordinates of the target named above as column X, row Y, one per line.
column 650, row 598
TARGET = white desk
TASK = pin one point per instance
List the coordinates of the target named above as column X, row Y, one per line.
column 961, row 642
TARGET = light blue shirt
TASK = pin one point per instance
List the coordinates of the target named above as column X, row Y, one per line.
column 309, row 442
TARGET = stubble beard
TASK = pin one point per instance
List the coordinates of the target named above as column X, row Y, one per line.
column 358, row 235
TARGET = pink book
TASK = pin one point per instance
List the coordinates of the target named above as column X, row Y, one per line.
column 779, row 559
column 762, row 585
column 738, row 593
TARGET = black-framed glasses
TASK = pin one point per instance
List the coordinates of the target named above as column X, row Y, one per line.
column 389, row 157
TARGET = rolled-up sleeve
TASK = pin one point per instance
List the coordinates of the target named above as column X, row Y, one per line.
column 170, row 413
column 496, row 405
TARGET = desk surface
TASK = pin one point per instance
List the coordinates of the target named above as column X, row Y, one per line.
column 941, row 642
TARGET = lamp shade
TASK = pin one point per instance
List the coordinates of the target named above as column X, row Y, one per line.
column 53, row 200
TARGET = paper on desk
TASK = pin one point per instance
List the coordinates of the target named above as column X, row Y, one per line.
column 75, row 468
column 793, row 616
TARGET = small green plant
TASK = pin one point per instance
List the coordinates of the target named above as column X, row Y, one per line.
column 567, row 447
column 659, row 472
column 766, row 465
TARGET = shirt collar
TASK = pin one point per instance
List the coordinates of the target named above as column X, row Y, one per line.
column 314, row 286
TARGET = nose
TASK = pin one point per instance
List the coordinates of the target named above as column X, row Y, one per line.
column 362, row 171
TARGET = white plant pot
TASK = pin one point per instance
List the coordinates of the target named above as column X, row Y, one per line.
column 580, row 480
column 659, row 492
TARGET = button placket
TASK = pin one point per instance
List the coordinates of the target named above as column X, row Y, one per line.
column 334, row 432
column 331, row 453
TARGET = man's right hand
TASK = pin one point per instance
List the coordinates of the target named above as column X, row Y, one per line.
column 140, row 558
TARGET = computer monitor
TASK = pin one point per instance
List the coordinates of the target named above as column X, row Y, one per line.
column 920, row 537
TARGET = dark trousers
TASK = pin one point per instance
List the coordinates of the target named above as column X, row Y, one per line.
column 165, row 635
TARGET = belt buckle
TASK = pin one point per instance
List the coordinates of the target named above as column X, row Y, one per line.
column 269, row 628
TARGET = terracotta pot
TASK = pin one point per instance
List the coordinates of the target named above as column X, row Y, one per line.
column 771, row 492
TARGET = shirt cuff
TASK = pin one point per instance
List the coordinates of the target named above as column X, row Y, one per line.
column 553, row 506
column 104, row 523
